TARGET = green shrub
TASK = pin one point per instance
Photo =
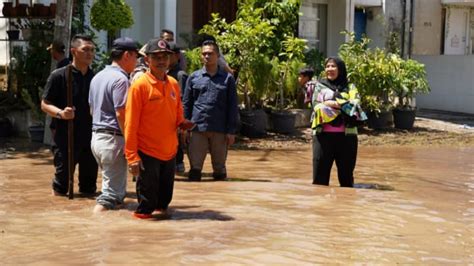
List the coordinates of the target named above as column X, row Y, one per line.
column 381, row 77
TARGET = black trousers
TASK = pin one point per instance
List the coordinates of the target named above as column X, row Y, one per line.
column 155, row 184
column 87, row 169
column 330, row 147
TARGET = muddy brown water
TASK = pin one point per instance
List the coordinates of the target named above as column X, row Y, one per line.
column 411, row 205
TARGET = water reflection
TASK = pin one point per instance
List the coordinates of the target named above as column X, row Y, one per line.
column 410, row 205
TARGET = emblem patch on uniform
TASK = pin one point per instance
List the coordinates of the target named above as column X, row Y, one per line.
column 173, row 95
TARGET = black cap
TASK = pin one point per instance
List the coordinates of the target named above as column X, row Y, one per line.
column 176, row 49
column 157, row 46
column 125, row 44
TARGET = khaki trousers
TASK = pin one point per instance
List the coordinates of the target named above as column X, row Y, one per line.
column 202, row 142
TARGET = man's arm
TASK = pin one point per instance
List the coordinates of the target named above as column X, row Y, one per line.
column 232, row 111
column 119, row 98
column 54, row 85
column 52, row 110
column 120, row 113
column 232, row 108
column 188, row 99
column 133, row 110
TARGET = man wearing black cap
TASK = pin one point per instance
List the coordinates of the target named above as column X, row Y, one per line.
column 153, row 115
column 107, row 98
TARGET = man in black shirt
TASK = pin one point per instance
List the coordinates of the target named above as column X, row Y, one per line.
column 181, row 76
column 54, row 103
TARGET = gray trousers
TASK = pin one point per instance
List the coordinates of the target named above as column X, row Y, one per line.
column 202, row 142
column 108, row 152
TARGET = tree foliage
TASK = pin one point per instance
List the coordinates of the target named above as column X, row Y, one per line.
column 380, row 76
column 111, row 15
column 259, row 43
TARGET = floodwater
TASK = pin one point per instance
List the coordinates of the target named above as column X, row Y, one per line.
column 411, row 205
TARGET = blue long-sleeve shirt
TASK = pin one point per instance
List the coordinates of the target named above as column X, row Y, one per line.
column 211, row 101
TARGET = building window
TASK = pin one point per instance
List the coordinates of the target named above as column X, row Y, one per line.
column 313, row 24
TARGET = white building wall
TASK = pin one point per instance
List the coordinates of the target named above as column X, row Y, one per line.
column 452, row 83
column 368, row 2
column 337, row 22
column 376, row 27
column 184, row 27
column 341, row 17
column 150, row 18
column 427, row 27
column 143, row 16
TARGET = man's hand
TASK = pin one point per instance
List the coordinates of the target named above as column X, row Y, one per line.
column 230, row 139
column 67, row 113
column 185, row 135
column 134, row 168
column 187, row 125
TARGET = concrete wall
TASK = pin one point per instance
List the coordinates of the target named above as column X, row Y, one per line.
column 153, row 16
column 375, row 27
column 427, row 27
column 337, row 19
column 452, row 83
column 184, row 22
column 368, row 2
column 143, row 15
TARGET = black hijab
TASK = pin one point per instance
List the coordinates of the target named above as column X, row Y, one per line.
column 341, row 83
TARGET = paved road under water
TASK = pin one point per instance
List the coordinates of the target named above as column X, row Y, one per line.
column 411, row 205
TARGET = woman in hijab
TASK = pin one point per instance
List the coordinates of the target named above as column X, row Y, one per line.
column 336, row 111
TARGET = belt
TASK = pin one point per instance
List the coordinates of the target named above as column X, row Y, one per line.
column 108, row 131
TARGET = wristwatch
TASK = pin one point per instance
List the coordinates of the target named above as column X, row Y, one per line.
column 58, row 115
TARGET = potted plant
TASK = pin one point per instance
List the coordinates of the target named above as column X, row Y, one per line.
column 283, row 120
column 8, row 10
column 14, row 32
column 412, row 80
column 373, row 71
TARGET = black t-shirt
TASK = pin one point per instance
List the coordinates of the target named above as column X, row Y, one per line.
column 180, row 75
column 55, row 92
column 62, row 63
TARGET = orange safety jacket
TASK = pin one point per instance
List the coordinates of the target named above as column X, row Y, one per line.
column 152, row 115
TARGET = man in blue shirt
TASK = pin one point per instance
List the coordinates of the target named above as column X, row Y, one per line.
column 210, row 101
column 107, row 98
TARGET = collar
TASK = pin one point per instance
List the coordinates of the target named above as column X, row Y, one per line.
column 204, row 72
column 117, row 68
column 153, row 80
column 77, row 71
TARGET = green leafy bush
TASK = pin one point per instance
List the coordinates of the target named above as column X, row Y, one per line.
column 382, row 77
column 261, row 46
column 412, row 79
column 111, row 15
